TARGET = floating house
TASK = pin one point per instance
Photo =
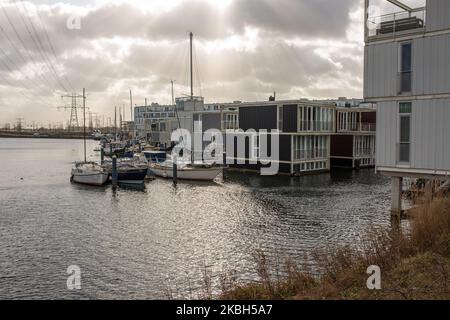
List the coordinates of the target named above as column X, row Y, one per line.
column 353, row 144
column 304, row 129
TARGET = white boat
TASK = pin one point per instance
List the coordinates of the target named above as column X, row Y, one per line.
column 185, row 171
column 89, row 173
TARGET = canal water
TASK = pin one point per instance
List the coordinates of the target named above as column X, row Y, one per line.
column 133, row 244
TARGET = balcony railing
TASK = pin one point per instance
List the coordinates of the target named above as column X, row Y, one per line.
column 393, row 24
column 306, row 126
column 364, row 152
column 358, row 127
column 310, row 154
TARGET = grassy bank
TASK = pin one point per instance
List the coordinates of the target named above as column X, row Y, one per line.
column 415, row 264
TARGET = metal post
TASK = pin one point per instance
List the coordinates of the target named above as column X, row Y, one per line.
column 175, row 170
column 102, row 155
column 224, row 165
column 396, row 195
column 114, row 174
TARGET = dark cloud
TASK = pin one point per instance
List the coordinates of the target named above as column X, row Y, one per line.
column 300, row 48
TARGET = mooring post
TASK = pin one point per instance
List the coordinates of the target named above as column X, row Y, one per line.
column 102, row 155
column 224, row 155
column 175, row 170
column 114, row 174
column 396, row 201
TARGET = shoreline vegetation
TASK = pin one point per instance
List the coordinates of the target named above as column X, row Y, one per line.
column 414, row 264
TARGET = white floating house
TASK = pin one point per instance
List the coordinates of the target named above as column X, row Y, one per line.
column 407, row 74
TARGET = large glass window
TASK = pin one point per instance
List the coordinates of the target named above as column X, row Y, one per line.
column 404, row 147
column 405, row 72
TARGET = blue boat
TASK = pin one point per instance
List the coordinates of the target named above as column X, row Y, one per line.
column 155, row 156
column 130, row 171
column 132, row 176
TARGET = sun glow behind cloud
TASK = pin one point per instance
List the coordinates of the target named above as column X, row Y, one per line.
column 245, row 50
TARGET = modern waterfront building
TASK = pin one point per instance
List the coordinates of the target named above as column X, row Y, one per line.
column 305, row 129
column 353, row 144
column 407, row 73
column 153, row 122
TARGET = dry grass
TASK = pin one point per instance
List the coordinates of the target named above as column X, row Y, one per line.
column 414, row 265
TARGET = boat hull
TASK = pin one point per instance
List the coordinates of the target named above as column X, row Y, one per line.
column 136, row 176
column 196, row 174
column 94, row 179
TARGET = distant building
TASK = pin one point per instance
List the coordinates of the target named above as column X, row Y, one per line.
column 407, row 70
column 153, row 123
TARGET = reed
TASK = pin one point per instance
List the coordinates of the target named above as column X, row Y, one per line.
column 415, row 264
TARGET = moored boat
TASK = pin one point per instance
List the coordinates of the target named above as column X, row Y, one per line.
column 186, row 171
column 89, row 173
column 129, row 171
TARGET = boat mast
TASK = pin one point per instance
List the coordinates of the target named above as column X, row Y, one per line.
column 175, row 106
column 191, row 63
column 84, row 123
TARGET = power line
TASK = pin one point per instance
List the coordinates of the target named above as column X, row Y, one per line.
column 52, row 48
column 18, row 69
column 39, row 46
column 23, row 44
column 12, row 71
column 20, row 92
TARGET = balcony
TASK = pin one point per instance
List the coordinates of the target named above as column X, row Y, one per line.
column 357, row 127
column 396, row 24
column 315, row 126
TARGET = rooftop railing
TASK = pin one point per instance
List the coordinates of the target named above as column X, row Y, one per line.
column 394, row 24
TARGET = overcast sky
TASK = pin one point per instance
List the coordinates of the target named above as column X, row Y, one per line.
column 244, row 49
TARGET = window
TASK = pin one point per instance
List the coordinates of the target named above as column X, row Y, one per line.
column 404, row 148
column 255, row 146
column 405, row 72
column 280, row 119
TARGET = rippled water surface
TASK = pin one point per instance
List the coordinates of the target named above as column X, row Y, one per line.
column 138, row 244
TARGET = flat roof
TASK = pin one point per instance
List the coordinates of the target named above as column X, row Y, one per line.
column 280, row 102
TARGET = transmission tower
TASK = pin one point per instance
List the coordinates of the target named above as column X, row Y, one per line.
column 73, row 121
column 19, row 125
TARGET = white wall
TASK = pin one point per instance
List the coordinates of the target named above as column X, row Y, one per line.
column 380, row 70
column 431, row 67
column 430, row 134
column 438, row 13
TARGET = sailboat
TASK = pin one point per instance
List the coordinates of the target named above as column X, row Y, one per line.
column 186, row 170
column 89, row 173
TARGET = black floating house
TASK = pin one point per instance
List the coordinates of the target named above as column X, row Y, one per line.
column 305, row 130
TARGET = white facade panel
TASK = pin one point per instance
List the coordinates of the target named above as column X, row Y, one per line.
column 386, row 134
column 431, row 65
column 381, row 67
column 430, row 134
column 438, row 12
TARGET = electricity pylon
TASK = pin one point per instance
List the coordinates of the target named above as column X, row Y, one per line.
column 73, row 121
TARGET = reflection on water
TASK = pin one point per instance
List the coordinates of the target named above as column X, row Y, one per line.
column 134, row 244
